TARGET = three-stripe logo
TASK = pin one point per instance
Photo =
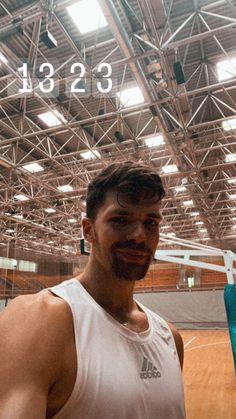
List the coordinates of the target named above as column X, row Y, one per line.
column 148, row 370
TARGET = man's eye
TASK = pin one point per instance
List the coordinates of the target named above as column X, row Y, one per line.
column 120, row 220
column 151, row 224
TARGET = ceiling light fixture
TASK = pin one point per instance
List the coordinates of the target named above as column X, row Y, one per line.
column 170, row 168
column 65, row 188
column 154, row 140
column 33, row 167
column 90, row 155
column 52, row 118
column 50, row 210
column 21, row 197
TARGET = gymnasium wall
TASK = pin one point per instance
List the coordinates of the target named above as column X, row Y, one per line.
column 188, row 309
column 164, row 275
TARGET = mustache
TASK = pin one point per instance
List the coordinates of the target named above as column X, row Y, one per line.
column 132, row 245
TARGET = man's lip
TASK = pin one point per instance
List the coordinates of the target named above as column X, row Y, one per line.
column 136, row 254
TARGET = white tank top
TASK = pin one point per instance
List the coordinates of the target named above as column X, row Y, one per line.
column 121, row 374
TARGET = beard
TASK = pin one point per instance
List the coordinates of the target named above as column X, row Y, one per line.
column 117, row 264
column 130, row 271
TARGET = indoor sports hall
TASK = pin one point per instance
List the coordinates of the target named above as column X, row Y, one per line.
column 89, row 82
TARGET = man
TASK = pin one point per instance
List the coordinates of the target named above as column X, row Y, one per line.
column 86, row 349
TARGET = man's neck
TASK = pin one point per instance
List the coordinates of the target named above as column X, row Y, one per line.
column 114, row 294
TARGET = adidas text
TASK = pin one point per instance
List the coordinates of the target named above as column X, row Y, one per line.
column 150, row 374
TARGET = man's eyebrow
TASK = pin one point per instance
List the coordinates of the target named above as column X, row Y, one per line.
column 156, row 215
column 120, row 212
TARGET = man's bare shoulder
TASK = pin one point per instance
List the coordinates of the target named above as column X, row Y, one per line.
column 41, row 319
column 43, row 306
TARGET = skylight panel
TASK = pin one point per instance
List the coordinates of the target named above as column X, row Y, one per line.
column 33, row 167
column 87, row 15
column 52, row 118
column 229, row 125
column 90, row 155
column 154, row 140
column 65, row 188
column 226, row 69
column 170, row 168
column 131, row 96
column 230, row 157
column 21, row 197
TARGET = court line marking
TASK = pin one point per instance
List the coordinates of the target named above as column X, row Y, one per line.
column 208, row 344
column 190, row 341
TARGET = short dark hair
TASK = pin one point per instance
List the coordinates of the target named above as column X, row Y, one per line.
column 129, row 177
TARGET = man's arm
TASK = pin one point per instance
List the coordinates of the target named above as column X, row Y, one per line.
column 30, row 361
column 179, row 344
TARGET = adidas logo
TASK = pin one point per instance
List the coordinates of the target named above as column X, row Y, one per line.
column 148, row 370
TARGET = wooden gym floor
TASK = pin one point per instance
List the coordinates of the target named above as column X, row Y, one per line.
column 209, row 377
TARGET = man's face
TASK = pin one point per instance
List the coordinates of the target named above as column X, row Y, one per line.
column 125, row 235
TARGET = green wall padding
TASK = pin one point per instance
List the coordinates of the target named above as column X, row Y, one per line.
column 230, row 305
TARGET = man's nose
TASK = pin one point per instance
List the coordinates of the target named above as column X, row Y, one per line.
column 137, row 232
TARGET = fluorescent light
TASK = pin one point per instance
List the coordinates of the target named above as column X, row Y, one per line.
column 65, row 188
column 52, row 118
column 199, row 223
column 21, row 197
column 203, row 230
column 226, row 69
column 33, row 167
column 50, row 210
column 87, row 15
column 10, row 230
column 230, row 157
column 90, row 155
column 180, row 189
column 231, row 181
column 154, row 141
column 3, row 58
column 131, row 96
column 50, row 242
column 188, row 202
column 170, row 168
column 234, row 218
column 194, row 214
column 232, row 196
column 229, row 124
column 72, row 220
column 172, row 234
column 19, row 216
column 165, row 227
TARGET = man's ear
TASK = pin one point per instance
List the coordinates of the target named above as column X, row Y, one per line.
column 88, row 231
